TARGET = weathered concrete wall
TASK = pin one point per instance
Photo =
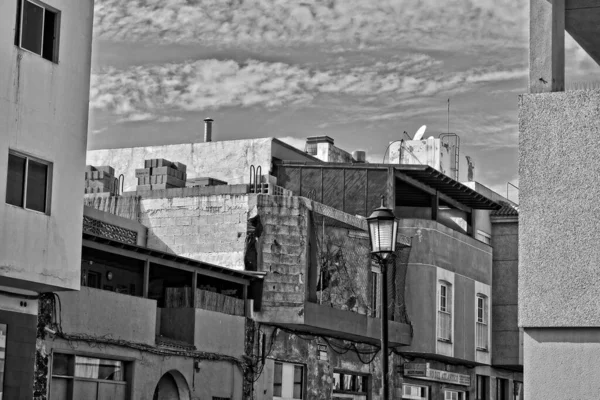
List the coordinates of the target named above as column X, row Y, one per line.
column 562, row 363
column 282, row 250
column 330, row 153
column 206, row 228
column 98, row 312
column 506, row 348
column 44, row 113
column 213, row 379
column 121, row 222
column 559, row 284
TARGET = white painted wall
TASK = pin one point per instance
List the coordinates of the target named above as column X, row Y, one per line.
column 44, row 113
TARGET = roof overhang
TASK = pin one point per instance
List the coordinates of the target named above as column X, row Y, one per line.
column 448, row 186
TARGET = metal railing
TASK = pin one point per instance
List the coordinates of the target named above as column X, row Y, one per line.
column 444, row 326
column 481, row 336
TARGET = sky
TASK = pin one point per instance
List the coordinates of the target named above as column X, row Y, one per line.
column 359, row 71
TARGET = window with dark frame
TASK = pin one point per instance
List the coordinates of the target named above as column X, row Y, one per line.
column 277, row 379
column 350, row 383
column 27, row 182
column 482, row 387
column 444, row 312
column 288, row 380
column 482, row 323
column 38, row 28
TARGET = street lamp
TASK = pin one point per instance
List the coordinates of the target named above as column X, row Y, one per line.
column 383, row 232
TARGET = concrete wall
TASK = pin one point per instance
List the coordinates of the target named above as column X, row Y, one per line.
column 561, row 363
column 507, row 349
column 121, row 222
column 98, row 312
column 220, row 333
column 559, row 284
column 213, row 379
column 44, row 113
column 206, row 228
column 228, row 160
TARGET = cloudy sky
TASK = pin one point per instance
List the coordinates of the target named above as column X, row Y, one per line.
column 360, row 71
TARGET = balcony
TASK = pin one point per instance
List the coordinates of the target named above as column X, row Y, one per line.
column 100, row 313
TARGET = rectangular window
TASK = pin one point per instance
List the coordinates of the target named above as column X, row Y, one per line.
column 484, row 237
column 38, row 28
column 454, row 395
column 77, row 377
column 415, row 392
column 518, row 390
column 288, row 381
column 445, row 312
column 311, row 148
column 501, row 389
column 351, row 383
column 2, row 356
column 28, row 182
column 481, row 326
column 483, row 387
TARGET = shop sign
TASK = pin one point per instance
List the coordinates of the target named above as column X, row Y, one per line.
column 422, row 371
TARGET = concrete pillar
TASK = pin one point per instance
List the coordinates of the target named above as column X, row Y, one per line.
column 208, row 129
column 547, row 46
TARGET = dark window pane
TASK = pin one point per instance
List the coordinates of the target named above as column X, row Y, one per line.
column 37, row 177
column 297, row 391
column 18, row 24
column 60, row 364
column 49, row 36
column 16, row 180
column 277, row 376
column 33, row 21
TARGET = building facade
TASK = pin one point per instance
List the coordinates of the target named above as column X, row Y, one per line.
column 315, row 325
column 45, row 56
column 558, row 229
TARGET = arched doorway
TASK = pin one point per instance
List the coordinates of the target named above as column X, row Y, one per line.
column 172, row 386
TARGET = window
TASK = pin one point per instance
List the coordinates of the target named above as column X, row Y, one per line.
column 38, row 28
column 518, row 390
column 77, row 377
column 288, row 380
column 454, row 395
column 501, row 389
column 415, row 392
column 351, row 383
column 483, row 384
column 28, row 182
column 311, row 148
column 481, row 337
column 445, row 312
column 484, row 237
column 2, row 356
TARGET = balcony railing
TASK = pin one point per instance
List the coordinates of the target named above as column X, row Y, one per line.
column 182, row 298
column 444, row 326
column 481, row 337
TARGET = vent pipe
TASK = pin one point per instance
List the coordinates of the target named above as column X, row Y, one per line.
column 359, row 156
column 208, row 129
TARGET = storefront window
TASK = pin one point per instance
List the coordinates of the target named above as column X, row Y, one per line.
column 454, row 395
column 415, row 392
column 2, row 357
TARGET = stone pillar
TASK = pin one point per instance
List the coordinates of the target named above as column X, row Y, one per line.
column 547, row 46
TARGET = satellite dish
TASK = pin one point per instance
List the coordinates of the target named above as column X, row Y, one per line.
column 420, row 133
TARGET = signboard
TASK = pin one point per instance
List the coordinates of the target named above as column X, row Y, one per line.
column 422, row 371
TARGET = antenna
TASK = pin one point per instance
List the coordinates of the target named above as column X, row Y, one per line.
column 448, row 116
column 420, row 133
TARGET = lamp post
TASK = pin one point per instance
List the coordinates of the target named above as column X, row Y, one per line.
column 383, row 232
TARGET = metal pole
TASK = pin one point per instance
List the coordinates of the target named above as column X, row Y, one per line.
column 384, row 329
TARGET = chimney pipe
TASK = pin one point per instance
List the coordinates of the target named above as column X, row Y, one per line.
column 208, row 129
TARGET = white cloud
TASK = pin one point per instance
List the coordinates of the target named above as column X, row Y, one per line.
column 140, row 93
column 333, row 22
